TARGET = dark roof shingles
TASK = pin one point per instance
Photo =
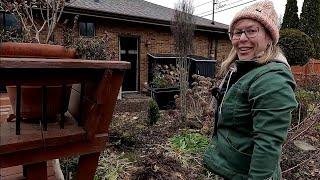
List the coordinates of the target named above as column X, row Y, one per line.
column 138, row 8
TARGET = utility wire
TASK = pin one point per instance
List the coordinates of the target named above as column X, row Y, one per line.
column 224, row 5
column 236, row 6
column 203, row 13
column 229, row 8
column 203, row 4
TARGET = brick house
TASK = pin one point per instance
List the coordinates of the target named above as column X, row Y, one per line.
column 139, row 28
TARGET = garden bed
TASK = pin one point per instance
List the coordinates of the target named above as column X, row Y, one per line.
column 139, row 151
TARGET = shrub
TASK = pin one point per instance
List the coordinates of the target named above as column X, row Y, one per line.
column 11, row 35
column 69, row 167
column 95, row 48
column 160, row 82
column 154, row 113
column 310, row 23
column 296, row 45
column 200, row 102
column 308, row 103
column 290, row 18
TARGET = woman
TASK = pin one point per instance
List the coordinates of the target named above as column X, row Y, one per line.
column 256, row 100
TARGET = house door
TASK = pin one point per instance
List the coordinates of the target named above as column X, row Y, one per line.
column 129, row 52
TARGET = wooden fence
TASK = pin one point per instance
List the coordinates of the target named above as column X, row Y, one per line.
column 308, row 72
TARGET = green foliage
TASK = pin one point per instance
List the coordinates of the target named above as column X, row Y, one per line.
column 69, row 167
column 11, row 35
column 296, row 45
column 160, row 82
column 308, row 102
column 290, row 18
column 154, row 113
column 318, row 128
column 310, row 22
column 95, row 48
column 193, row 143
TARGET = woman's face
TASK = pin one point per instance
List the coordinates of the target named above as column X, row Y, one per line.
column 249, row 39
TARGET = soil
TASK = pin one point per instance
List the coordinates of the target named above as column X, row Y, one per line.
column 148, row 151
column 140, row 151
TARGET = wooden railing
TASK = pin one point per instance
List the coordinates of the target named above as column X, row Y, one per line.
column 81, row 133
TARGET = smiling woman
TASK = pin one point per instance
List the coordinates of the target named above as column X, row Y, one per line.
column 255, row 99
column 249, row 39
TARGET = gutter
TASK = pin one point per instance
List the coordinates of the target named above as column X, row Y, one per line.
column 175, row 57
column 134, row 19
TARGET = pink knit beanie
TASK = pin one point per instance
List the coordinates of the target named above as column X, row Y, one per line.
column 262, row 12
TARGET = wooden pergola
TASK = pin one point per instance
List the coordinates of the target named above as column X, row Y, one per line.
column 32, row 145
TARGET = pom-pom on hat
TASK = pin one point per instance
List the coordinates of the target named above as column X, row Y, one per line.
column 262, row 12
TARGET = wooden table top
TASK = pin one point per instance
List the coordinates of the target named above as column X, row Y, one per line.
column 34, row 63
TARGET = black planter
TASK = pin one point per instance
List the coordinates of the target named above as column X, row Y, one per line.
column 164, row 96
column 3, row 89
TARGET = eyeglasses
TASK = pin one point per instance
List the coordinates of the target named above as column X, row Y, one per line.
column 250, row 33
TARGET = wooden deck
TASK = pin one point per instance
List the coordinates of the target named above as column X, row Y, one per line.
column 31, row 135
column 5, row 107
column 15, row 172
column 100, row 83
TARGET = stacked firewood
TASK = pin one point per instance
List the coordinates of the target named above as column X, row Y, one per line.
column 165, row 76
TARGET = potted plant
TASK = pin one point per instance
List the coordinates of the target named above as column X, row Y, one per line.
column 94, row 48
column 164, row 85
column 37, row 19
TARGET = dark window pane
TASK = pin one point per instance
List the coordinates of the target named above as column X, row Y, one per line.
column 1, row 19
column 82, row 27
column 11, row 21
column 90, row 29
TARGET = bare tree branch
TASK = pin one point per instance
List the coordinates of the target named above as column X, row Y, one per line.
column 50, row 10
column 183, row 32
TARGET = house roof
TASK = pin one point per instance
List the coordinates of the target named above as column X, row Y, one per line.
column 175, row 56
column 138, row 10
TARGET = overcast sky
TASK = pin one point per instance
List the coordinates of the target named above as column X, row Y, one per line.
column 204, row 7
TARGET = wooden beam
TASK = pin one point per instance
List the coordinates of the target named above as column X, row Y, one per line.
column 39, row 154
column 31, row 136
column 34, row 63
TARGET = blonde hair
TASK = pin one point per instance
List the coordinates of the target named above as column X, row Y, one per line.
column 271, row 52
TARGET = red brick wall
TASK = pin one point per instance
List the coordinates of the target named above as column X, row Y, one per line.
column 159, row 39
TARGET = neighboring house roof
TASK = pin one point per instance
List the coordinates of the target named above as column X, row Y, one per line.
column 175, row 56
column 137, row 10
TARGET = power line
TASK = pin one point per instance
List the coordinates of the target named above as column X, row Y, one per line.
column 229, row 8
column 204, row 12
column 203, row 4
column 235, row 6
column 222, row 1
column 219, row 3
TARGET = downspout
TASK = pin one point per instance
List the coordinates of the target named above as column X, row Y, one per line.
column 215, row 48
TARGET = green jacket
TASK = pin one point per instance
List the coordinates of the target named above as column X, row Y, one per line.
column 252, row 124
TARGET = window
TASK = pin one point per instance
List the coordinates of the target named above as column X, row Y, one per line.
column 87, row 29
column 8, row 21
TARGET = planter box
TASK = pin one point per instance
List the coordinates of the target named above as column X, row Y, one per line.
column 3, row 89
column 31, row 95
column 164, row 96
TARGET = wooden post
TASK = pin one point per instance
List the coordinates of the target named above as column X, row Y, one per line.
column 87, row 166
column 37, row 171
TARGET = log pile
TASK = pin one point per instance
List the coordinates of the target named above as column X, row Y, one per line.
column 165, row 76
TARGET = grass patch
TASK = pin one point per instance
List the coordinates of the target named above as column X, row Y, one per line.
column 189, row 143
column 112, row 165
